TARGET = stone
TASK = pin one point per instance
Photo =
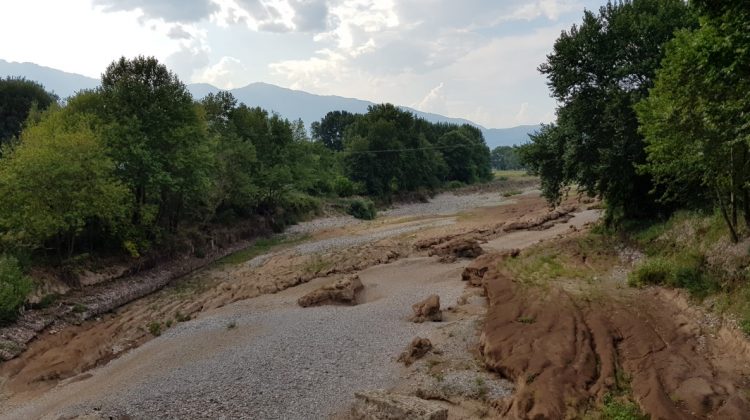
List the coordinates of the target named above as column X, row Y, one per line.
column 381, row 405
column 427, row 310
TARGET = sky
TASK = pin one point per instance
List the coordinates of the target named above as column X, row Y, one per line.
column 473, row 59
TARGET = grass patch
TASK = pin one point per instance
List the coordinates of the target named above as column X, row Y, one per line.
column 620, row 408
column 526, row 320
column 507, row 175
column 259, row 247
column 179, row 317
column 232, row 325
column 512, row 193
column 154, row 328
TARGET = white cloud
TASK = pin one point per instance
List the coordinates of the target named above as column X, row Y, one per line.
column 434, row 101
column 228, row 73
column 523, row 113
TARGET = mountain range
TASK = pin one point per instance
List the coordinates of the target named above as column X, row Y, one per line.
column 289, row 103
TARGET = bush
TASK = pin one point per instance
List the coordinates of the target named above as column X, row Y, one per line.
column 653, row 271
column 344, row 187
column 453, row 185
column 685, row 271
column 14, row 287
column 362, row 209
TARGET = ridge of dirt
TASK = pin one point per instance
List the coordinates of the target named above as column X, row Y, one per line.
column 565, row 353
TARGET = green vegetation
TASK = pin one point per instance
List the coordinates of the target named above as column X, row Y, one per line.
column 20, row 98
column 506, row 158
column 138, row 168
column 154, row 328
column 14, row 286
column 620, row 408
column 362, row 209
column 598, row 71
column 261, row 246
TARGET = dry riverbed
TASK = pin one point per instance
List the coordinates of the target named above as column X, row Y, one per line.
column 231, row 341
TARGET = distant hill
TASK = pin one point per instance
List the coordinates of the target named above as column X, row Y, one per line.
column 291, row 104
column 63, row 84
column 295, row 104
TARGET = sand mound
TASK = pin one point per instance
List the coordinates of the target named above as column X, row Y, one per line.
column 341, row 291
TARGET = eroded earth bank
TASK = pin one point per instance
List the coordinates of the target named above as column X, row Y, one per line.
column 535, row 320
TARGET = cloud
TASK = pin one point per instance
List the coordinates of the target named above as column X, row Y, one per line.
column 434, row 101
column 523, row 113
column 187, row 60
column 228, row 73
column 168, row 10
column 310, row 15
column 178, row 32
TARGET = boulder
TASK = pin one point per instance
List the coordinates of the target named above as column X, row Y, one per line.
column 381, row 405
column 342, row 291
column 427, row 310
column 457, row 248
column 475, row 271
column 416, row 350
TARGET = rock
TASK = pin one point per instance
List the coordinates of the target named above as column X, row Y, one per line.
column 341, row 291
column 381, row 405
column 474, row 272
column 457, row 248
column 427, row 310
column 416, row 350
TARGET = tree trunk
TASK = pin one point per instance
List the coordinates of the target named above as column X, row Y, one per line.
column 732, row 229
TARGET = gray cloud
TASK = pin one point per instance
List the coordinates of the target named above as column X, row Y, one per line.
column 178, row 32
column 310, row 15
column 188, row 60
column 169, row 10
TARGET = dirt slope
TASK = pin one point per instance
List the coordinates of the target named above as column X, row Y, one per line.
column 565, row 353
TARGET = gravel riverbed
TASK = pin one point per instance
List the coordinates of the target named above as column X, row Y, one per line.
column 267, row 358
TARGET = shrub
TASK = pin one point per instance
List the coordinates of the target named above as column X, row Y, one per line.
column 154, row 328
column 652, row 271
column 14, row 287
column 362, row 209
column 452, row 185
column 344, row 187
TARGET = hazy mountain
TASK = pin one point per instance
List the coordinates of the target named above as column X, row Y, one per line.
column 63, row 84
column 291, row 104
column 295, row 104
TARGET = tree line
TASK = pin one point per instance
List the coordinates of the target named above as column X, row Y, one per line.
column 654, row 112
column 129, row 167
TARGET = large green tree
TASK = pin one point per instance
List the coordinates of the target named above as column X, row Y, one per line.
column 18, row 97
column 597, row 72
column 330, row 130
column 697, row 118
column 57, row 185
column 158, row 140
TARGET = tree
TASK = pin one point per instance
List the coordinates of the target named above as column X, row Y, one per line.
column 18, row 97
column 506, row 158
column 14, row 287
column 57, row 184
column 696, row 118
column 330, row 130
column 597, row 72
column 158, row 141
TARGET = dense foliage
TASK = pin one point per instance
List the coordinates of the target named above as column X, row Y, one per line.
column 598, row 71
column 14, row 286
column 18, row 98
column 696, row 120
column 507, row 158
column 136, row 165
